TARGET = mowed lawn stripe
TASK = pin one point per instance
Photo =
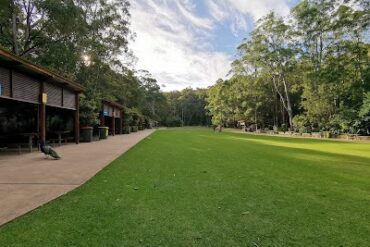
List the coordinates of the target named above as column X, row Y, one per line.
column 195, row 187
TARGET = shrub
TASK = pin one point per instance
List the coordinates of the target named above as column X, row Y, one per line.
column 284, row 128
column 362, row 125
column 326, row 134
column 305, row 129
column 173, row 122
column 126, row 130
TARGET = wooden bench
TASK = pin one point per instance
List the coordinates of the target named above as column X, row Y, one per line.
column 16, row 147
column 53, row 142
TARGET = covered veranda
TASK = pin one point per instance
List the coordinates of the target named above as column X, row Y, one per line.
column 35, row 104
column 111, row 116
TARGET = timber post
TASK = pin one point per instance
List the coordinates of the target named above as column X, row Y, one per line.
column 77, row 120
column 113, row 122
column 120, row 123
column 102, row 120
column 42, row 112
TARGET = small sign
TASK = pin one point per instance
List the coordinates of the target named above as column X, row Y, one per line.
column 105, row 113
column 44, row 98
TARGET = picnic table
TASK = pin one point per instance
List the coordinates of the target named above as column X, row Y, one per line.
column 60, row 133
column 30, row 139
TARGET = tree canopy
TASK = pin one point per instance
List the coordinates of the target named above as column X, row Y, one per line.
column 309, row 72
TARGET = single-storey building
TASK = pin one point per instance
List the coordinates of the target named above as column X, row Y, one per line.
column 111, row 115
column 35, row 103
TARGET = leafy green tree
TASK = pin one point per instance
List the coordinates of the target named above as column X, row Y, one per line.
column 271, row 52
column 334, row 58
column 311, row 72
column 217, row 103
column 363, row 123
column 187, row 107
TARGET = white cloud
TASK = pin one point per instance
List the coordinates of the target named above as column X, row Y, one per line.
column 237, row 11
column 188, row 15
column 172, row 43
column 175, row 44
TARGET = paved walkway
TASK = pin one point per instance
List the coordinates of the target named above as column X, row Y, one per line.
column 28, row 181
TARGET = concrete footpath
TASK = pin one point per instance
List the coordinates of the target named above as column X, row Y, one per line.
column 28, row 181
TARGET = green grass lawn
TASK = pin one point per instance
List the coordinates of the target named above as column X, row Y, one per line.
column 194, row 187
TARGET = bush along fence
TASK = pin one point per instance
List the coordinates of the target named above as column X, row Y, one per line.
column 304, row 132
column 134, row 121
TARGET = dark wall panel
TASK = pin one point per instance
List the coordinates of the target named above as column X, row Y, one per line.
column 69, row 99
column 54, row 94
column 5, row 82
column 25, row 87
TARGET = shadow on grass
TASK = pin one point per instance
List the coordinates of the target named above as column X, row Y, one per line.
column 352, row 150
column 327, row 154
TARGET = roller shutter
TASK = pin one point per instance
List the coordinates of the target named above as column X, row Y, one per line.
column 54, row 94
column 25, row 88
column 69, row 99
column 4, row 82
column 110, row 111
column 117, row 113
column 105, row 110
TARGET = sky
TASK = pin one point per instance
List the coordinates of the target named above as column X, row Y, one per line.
column 191, row 43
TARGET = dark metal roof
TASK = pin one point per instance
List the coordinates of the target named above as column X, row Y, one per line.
column 111, row 103
column 25, row 66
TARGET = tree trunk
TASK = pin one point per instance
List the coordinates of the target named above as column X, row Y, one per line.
column 282, row 108
column 255, row 117
column 285, row 100
column 288, row 103
column 14, row 28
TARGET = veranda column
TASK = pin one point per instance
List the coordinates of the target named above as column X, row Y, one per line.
column 102, row 120
column 42, row 112
column 113, row 123
column 120, row 123
column 77, row 120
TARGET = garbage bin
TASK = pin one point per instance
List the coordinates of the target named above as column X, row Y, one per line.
column 86, row 134
column 103, row 132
